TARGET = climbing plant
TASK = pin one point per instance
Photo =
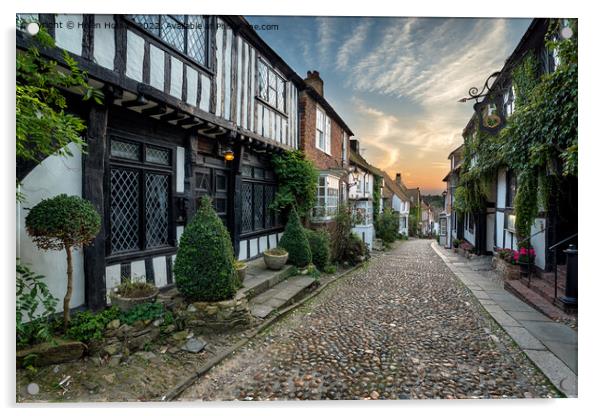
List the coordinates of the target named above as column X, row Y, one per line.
column 376, row 195
column 539, row 141
column 44, row 126
column 297, row 182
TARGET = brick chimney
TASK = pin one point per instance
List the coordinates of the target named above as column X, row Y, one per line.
column 354, row 144
column 313, row 79
column 398, row 178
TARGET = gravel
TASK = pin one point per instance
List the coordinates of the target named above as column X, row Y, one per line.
column 401, row 328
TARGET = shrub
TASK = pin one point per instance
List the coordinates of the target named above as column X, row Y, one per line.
column 319, row 243
column 86, row 326
column 295, row 241
column 63, row 223
column 330, row 269
column 32, row 295
column 340, row 233
column 204, row 267
column 456, row 242
column 355, row 251
column 387, row 226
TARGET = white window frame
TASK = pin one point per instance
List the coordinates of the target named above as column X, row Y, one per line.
column 509, row 97
column 323, row 126
column 328, row 196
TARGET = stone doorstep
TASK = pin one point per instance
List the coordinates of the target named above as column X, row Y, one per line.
column 281, row 295
column 260, row 279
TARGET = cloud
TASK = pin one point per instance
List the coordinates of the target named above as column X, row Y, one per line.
column 326, row 38
column 353, row 45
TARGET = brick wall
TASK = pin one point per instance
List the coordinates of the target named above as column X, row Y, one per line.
column 307, row 136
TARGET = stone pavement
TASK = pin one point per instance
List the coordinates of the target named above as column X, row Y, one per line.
column 552, row 346
column 401, row 327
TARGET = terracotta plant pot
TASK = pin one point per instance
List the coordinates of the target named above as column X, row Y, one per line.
column 125, row 304
column 274, row 261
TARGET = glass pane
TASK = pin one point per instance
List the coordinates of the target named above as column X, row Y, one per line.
column 258, row 173
column 197, row 39
column 124, row 210
column 272, row 96
column 258, row 206
column 269, row 213
column 281, row 94
column 263, row 80
column 149, row 22
column 156, row 205
column 247, row 170
column 172, row 32
column 221, row 183
column 247, row 207
column 158, row 156
column 202, row 180
column 220, row 205
column 125, row 150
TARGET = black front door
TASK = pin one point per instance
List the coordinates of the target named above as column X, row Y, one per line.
column 213, row 181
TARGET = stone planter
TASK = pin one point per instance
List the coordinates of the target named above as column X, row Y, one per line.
column 121, row 338
column 274, row 261
column 125, row 304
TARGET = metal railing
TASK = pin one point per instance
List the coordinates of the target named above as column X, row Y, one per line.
column 555, row 249
column 518, row 244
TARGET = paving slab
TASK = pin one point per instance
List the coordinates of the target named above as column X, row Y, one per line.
column 552, row 346
column 279, row 296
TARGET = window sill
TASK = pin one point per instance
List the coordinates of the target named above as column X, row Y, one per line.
column 140, row 254
column 264, row 102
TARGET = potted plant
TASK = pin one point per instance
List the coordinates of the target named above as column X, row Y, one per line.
column 525, row 257
column 456, row 244
column 241, row 269
column 129, row 294
column 275, row 258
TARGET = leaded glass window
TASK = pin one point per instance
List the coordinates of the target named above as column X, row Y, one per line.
column 158, row 156
column 187, row 34
column 139, row 197
column 257, row 196
column 327, row 201
column 125, row 196
column 156, row 200
column 271, row 86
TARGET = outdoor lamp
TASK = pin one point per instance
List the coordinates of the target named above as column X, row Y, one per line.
column 228, row 155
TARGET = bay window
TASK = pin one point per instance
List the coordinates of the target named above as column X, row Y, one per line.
column 327, row 202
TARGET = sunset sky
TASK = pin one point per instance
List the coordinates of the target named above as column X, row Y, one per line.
column 396, row 81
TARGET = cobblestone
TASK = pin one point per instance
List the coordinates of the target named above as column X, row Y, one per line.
column 401, row 328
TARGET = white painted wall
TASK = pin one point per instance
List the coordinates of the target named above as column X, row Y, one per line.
column 366, row 233
column 539, row 242
column 501, row 188
column 177, row 74
column 104, row 41
column 157, row 68
column 55, row 175
column 134, row 56
column 69, row 37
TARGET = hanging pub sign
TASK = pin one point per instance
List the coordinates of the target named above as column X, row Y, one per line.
column 489, row 111
column 489, row 108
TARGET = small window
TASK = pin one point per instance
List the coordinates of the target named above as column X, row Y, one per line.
column 158, row 156
column 322, row 131
column 125, row 150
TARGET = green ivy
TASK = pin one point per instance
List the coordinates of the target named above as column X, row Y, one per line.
column 539, row 141
column 376, row 195
column 297, row 182
column 43, row 125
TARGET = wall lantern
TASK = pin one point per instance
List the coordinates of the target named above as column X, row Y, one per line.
column 228, row 154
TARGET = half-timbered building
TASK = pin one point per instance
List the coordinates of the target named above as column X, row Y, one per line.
column 193, row 106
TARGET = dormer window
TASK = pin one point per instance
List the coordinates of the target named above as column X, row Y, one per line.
column 186, row 34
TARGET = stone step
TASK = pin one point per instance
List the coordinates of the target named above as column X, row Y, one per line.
column 543, row 304
column 282, row 295
column 259, row 278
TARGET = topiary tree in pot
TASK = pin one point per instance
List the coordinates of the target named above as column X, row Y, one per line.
column 204, row 267
column 295, row 241
column 65, row 222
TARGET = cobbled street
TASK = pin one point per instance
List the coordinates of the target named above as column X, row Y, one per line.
column 403, row 327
